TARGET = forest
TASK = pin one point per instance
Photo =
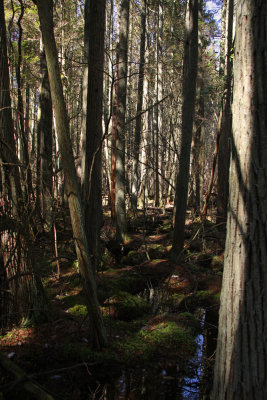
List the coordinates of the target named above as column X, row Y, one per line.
column 133, row 199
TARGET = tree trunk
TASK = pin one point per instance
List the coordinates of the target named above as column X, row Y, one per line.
column 224, row 144
column 240, row 367
column 45, row 166
column 97, row 332
column 197, row 168
column 189, row 93
column 120, row 208
column 138, row 123
column 24, row 299
column 91, row 176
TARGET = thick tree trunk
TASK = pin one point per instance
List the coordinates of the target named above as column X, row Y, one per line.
column 91, row 176
column 97, row 332
column 189, row 93
column 241, row 368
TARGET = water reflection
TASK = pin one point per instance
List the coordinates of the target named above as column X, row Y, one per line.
column 170, row 383
column 192, row 383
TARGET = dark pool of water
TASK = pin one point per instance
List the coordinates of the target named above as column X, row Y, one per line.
column 172, row 383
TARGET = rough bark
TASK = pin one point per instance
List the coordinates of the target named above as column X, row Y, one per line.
column 240, row 368
column 189, row 93
column 97, row 332
column 44, row 150
column 91, row 176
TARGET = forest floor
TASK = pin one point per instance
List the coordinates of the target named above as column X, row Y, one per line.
column 153, row 309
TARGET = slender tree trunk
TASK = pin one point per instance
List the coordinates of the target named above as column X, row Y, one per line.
column 97, row 332
column 189, row 93
column 120, row 208
column 138, row 123
column 197, row 166
column 240, row 367
column 24, row 139
column 224, row 144
column 44, row 134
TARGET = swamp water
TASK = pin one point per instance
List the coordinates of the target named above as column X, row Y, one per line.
column 172, row 383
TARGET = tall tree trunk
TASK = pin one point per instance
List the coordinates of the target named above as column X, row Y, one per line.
column 197, row 168
column 240, row 367
column 138, row 123
column 158, row 107
column 224, row 144
column 24, row 139
column 24, row 298
column 189, row 93
column 91, row 176
column 44, row 141
column 120, row 208
column 97, row 333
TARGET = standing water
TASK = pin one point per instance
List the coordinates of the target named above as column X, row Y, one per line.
column 167, row 384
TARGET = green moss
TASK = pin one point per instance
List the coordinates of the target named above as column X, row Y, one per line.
column 75, row 266
column 190, row 322
column 174, row 300
column 127, row 306
column 78, row 309
column 113, row 285
column 105, row 262
column 166, row 226
column 155, row 250
column 155, row 340
column 203, row 298
column 133, row 258
column 72, row 300
column 168, row 335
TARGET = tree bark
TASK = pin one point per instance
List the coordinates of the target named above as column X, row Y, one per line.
column 120, row 207
column 189, row 94
column 224, row 144
column 97, row 333
column 24, row 299
column 91, row 176
column 44, row 135
column 138, row 124
column 240, row 368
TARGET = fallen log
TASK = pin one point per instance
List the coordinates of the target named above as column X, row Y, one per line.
column 23, row 379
